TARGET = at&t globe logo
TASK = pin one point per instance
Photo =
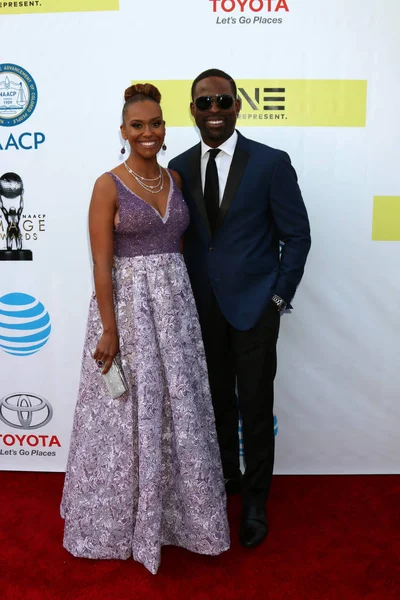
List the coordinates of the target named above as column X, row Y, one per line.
column 241, row 442
column 25, row 411
column 24, row 324
column 276, row 427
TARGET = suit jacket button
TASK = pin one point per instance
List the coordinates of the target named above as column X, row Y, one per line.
column 211, row 249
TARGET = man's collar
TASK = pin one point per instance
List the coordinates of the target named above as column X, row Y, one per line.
column 228, row 146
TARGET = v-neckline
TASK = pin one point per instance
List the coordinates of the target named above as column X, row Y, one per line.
column 164, row 218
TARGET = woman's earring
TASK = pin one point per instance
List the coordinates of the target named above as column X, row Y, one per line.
column 123, row 148
column 164, row 147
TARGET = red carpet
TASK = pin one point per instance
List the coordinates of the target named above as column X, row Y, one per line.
column 331, row 538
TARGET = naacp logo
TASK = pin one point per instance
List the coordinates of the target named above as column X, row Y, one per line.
column 25, row 411
column 24, row 324
column 18, row 95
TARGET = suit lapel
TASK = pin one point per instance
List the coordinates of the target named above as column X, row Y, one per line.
column 237, row 168
column 196, row 186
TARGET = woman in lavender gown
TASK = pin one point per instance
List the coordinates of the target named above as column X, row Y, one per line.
column 143, row 470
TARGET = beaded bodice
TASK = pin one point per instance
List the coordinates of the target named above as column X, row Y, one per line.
column 141, row 230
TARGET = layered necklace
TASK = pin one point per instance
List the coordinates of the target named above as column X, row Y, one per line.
column 147, row 183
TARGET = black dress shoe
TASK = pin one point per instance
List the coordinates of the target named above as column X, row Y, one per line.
column 233, row 486
column 254, row 527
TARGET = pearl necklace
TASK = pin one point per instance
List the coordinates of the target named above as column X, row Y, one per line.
column 152, row 189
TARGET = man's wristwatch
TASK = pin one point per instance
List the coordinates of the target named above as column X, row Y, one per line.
column 280, row 303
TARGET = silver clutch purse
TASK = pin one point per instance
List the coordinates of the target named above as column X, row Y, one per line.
column 114, row 379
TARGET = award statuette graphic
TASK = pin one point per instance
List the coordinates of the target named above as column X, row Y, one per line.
column 11, row 206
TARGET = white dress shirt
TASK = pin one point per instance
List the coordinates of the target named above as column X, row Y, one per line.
column 223, row 161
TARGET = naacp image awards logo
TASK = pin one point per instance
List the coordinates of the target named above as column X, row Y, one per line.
column 18, row 227
column 25, row 411
column 18, row 95
column 11, row 208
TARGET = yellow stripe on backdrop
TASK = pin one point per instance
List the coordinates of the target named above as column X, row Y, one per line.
column 386, row 219
column 20, row 7
column 282, row 103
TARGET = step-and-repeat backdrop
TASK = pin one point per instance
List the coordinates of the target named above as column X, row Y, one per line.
column 317, row 79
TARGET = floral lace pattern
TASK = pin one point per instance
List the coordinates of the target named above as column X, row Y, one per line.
column 144, row 470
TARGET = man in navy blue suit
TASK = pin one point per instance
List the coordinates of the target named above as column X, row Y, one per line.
column 244, row 202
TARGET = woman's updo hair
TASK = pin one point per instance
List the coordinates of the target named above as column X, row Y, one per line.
column 140, row 92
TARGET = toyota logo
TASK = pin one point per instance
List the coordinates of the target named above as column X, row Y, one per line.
column 25, row 411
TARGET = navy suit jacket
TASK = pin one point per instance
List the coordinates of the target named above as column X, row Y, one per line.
column 261, row 207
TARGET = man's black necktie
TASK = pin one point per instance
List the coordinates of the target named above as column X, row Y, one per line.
column 211, row 189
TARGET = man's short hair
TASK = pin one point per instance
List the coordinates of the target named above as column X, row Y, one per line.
column 214, row 73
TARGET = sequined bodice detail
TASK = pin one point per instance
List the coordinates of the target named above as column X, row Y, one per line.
column 141, row 230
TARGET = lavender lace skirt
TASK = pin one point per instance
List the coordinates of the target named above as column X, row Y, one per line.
column 144, row 470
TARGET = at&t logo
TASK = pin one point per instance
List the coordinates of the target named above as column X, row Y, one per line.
column 24, row 324
column 25, row 411
column 18, row 99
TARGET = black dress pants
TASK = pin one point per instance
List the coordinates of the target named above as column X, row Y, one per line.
column 248, row 358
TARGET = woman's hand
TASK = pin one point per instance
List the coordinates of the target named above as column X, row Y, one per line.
column 107, row 348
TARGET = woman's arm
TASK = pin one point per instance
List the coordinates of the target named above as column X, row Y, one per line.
column 101, row 230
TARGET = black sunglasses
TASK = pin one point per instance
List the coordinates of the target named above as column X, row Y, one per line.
column 223, row 101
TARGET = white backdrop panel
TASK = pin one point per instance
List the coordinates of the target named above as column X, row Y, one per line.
column 338, row 380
